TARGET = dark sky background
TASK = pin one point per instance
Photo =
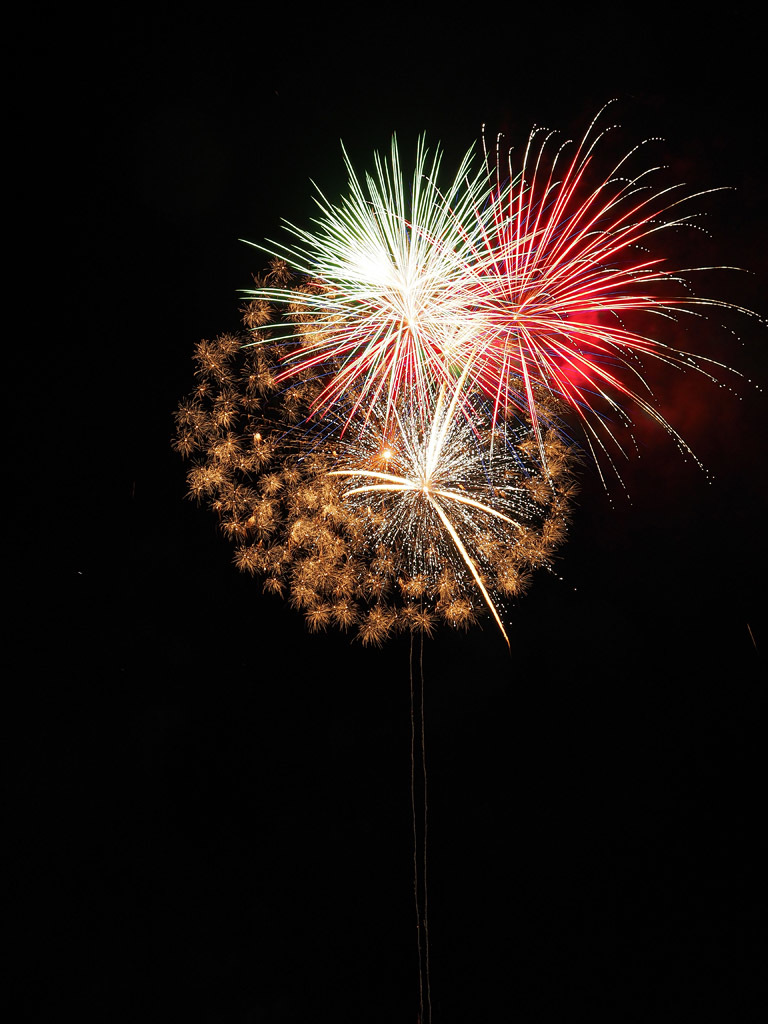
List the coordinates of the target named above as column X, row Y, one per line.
column 217, row 814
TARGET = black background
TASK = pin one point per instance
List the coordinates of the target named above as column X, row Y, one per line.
column 216, row 820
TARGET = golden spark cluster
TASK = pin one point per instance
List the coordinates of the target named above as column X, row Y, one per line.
column 373, row 518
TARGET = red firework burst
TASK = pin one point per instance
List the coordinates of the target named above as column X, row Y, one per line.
column 573, row 295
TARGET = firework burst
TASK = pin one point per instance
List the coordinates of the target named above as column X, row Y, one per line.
column 388, row 452
column 450, row 502
column 389, row 267
column 575, row 294
column 405, row 518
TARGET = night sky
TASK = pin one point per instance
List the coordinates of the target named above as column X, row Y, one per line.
column 215, row 803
